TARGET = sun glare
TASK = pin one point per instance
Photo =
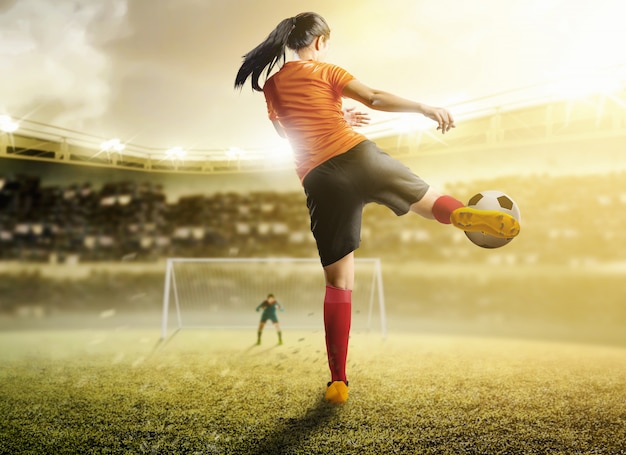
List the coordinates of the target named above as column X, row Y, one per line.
column 7, row 124
column 112, row 145
column 176, row 153
column 582, row 85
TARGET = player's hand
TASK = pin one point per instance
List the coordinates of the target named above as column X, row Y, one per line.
column 356, row 118
column 257, row 310
column 441, row 116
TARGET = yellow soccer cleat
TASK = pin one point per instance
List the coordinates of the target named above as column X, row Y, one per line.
column 337, row 392
column 491, row 222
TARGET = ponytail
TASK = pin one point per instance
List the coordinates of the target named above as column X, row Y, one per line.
column 293, row 33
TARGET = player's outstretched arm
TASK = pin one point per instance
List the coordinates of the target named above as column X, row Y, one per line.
column 388, row 102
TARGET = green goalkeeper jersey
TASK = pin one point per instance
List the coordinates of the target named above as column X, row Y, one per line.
column 269, row 310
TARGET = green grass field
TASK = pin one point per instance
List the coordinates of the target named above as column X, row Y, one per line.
column 212, row 392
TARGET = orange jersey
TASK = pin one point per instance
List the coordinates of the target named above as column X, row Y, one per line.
column 305, row 97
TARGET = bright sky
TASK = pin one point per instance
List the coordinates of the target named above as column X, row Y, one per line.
column 159, row 73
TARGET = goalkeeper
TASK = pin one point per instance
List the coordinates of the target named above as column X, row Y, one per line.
column 269, row 306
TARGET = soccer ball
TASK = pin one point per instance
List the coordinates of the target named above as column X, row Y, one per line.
column 492, row 200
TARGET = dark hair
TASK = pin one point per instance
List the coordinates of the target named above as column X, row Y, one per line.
column 293, row 33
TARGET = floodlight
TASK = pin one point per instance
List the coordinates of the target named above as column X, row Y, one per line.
column 235, row 152
column 7, row 124
column 176, row 152
column 112, row 145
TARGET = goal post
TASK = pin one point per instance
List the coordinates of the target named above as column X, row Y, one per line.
column 204, row 293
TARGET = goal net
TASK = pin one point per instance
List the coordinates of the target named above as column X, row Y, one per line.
column 224, row 293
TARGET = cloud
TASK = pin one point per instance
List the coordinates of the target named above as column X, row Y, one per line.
column 6, row 5
column 52, row 60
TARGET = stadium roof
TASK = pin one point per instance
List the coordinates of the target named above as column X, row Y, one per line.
column 158, row 75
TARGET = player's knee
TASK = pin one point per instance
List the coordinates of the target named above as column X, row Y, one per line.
column 424, row 206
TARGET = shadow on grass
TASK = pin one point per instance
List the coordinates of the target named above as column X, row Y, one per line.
column 295, row 431
column 259, row 348
column 162, row 343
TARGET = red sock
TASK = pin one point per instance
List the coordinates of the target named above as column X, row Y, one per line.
column 337, row 317
column 443, row 208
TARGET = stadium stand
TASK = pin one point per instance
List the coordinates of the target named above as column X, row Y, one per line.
column 131, row 220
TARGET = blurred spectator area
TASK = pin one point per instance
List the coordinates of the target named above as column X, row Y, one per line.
column 568, row 220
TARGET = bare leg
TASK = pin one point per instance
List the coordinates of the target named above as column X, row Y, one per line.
column 340, row 274
column 424, row 207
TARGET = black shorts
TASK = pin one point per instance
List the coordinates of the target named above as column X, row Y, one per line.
column 338, row 189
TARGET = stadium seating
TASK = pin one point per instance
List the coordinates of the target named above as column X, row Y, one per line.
column 134, row 219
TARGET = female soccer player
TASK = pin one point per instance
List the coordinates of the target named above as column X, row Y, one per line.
column 269, row 306
column 340, row 169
